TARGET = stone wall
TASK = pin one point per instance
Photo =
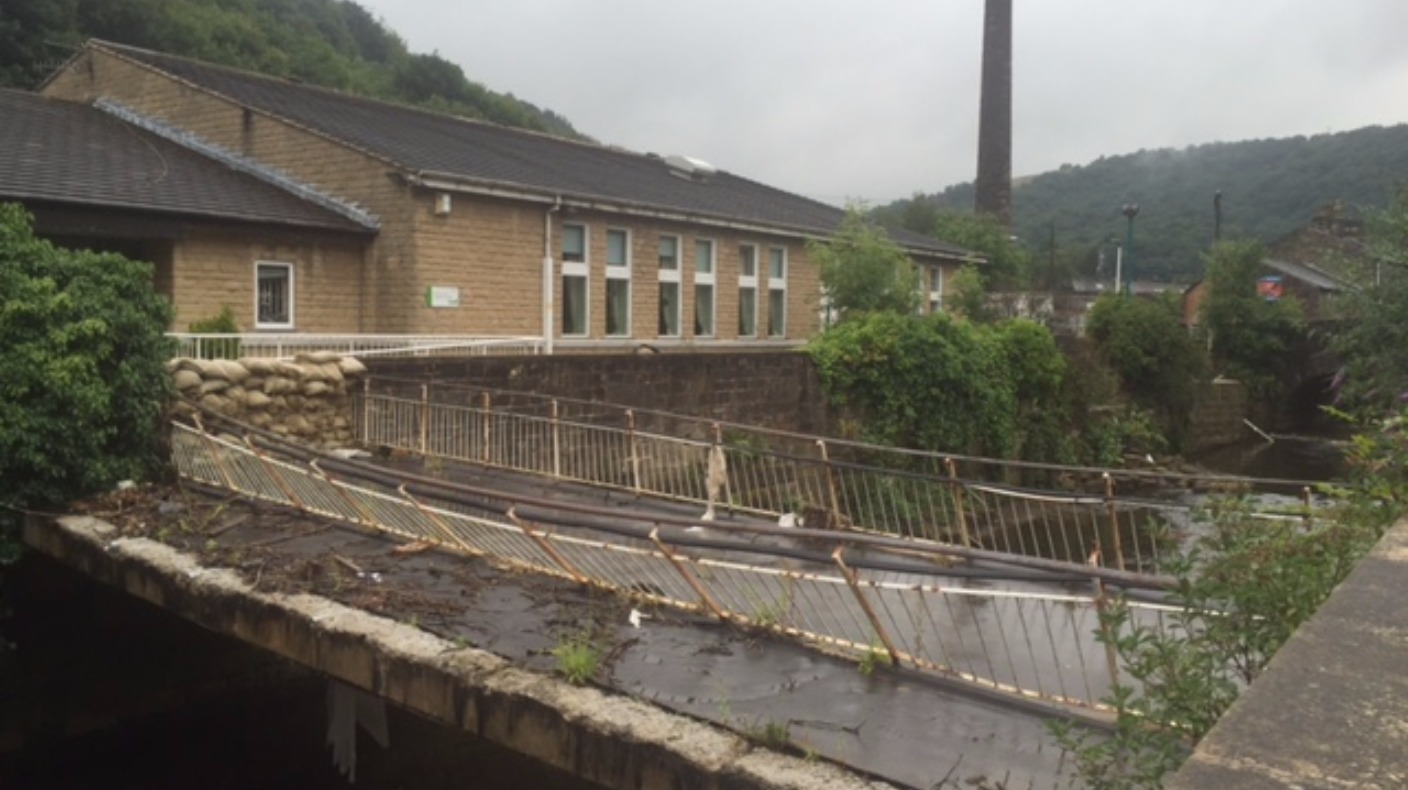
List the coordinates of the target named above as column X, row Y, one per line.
column 306, row 399
column 778, row 390
column 1218, row 415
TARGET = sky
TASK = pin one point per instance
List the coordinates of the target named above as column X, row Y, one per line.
column 844, row 101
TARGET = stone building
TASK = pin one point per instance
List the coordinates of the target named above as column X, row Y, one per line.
column 452, row 226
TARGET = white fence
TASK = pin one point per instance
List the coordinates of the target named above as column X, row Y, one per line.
column 286, row 345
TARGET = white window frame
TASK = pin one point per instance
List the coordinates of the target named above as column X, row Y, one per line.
column 707, row 279
column 581, row 269
column 619, row 272
column 936, row 295
column 748, row 281
column 777, row 284
column 672, row 275
column 292, row 290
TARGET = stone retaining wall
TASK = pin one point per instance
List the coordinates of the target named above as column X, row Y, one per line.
column 306, row 399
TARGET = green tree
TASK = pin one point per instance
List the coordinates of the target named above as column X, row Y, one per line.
column 1158, row 363
column 1372, row 327
column 1008, row 262
column 967, row 296
column 863, row 271
column 1251, row 337
column 82, row 378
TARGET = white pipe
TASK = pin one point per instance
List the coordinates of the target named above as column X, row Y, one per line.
column 1119, row 261
column 548, row 275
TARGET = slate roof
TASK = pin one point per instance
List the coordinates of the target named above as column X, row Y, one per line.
column 73, row 154
column 1307, row 274
column 424, row 143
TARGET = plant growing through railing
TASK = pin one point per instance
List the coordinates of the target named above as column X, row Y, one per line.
column 876, row 656
column 1243, row 589
column 222, row 323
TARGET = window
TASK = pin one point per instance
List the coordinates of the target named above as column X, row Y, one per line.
column 747, row 291
column 273, row 295
column 703, row 288
column 574, row 280
column 777, row 292
column 936, row 289
column 669, row 286
column 618, row 283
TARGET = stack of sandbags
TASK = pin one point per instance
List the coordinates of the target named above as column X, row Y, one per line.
column 306, row 399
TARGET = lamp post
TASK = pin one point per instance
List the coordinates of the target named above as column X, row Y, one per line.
column 1131, row 210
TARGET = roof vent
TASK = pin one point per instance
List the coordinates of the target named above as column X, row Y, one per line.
column 690, row 168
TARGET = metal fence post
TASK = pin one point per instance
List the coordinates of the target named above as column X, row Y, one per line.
column 424, row 420
column 556, row 440
column 635, row 456
column 485, row 454
column 689, row 578
column 830, row 478
column 548, row 549
column 366, row 436
column 958, row 502
column 1305, row 502
column 854, row 582
column 1113, row 509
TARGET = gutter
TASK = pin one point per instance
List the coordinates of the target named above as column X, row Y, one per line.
column 548, row 307
column 448, row 182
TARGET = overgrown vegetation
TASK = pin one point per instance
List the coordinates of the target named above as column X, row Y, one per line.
column 578, row 658
column 82, row 382
column 1158, row 363
column 1373, row 319
column 1244, row 588
column 222, row 323
column 863, row 271
column 1250, row 337
column 333, row 43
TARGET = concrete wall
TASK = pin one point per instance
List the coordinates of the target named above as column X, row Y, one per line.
column 777, row 390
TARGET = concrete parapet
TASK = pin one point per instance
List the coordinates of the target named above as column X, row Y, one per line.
column 608, row 739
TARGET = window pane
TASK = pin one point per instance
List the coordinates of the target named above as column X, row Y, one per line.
column 618, row 307
column 936, row 279
column 574, row 243
column 669, row 309
column 777, row 262
column 747, row 312
column 747, row 261
column 777, row 312
column 574, row 305
column 615, row 248
column 274, row 286
column 669, row 252
column 704, row 256
column 704, row 310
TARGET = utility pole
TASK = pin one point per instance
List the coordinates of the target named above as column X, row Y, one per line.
column 1130, row 211
column 1217, row 216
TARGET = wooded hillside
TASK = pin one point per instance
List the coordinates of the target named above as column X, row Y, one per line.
column 333, row 43
column 1270, row 188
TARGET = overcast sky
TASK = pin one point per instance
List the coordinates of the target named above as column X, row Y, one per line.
column 842, row 100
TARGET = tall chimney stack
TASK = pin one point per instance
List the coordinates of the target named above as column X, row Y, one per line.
column 994, row 184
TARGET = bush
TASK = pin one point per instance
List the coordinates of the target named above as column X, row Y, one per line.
column 222, row 323
column 82, row 382
column 1157, row 361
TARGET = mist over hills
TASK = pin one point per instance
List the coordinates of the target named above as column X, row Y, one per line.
column 1269, row 188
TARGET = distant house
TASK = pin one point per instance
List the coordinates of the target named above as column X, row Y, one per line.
column 461, row 227
column 1296, row 264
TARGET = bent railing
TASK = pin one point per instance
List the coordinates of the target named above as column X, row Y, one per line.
column 1025, row 642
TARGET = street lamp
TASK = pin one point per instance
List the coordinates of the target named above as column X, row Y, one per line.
column 1131, row 210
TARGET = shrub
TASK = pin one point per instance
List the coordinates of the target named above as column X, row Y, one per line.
column 222, row 323
column 82, row 382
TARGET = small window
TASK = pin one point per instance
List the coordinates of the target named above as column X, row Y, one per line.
column 703, row 288
column 575, row 291
column 618, row 283
column 670, row 302
column 273, row 295
column 936, row 289
column 777, row 292
column 669, row 253
column 747, row 291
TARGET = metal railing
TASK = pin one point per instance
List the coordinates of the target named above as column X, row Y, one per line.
column 286, row 345
column 824, row 483
column 1024, row 642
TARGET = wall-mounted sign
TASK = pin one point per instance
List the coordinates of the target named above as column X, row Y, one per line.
column 1270, row 288
column 442, row 296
